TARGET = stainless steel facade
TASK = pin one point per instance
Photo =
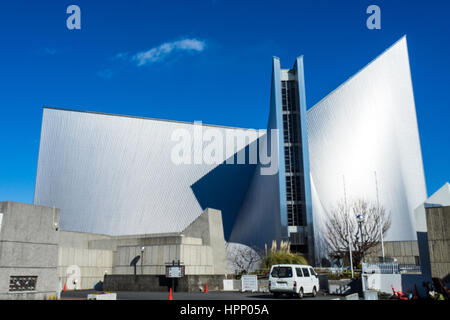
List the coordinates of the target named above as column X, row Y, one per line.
column 114, row 175
column 369, row 125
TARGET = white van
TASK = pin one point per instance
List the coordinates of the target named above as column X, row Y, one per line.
column 293, row 279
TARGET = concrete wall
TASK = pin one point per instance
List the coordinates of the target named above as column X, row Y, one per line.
column 208, row 226
column 410, row 282
column 81, row 264
column 200, row 247
column 28, row 247
column 84, row 259
column 404, row 251
column 382, row 282
column 407, row 283
column 197, row 257
column 438, row 226
column 189, row 283
column 439, row 198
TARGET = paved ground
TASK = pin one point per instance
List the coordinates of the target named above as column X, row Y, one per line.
column 133, row 295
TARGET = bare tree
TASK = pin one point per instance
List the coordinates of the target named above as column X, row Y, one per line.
column 342, row 226
column 241, row 258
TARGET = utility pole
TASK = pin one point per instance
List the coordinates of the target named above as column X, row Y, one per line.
column 380, row 218
column 348, row 228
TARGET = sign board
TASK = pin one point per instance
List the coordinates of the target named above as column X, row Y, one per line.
column 249, row 283
column 174, row 271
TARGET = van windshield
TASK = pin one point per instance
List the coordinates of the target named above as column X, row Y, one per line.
column 282, row 272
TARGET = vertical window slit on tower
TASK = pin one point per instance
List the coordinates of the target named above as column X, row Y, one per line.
column 295, row 197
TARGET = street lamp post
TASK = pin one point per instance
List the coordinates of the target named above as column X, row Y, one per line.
column 142, row 259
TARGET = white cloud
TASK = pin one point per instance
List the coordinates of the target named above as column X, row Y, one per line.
column 159, row 53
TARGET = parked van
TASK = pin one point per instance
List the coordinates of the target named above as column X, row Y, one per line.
column 294, row 279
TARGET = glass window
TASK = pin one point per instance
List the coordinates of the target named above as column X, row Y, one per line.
column 312, row 272
column 282, row 272
column 305, row 272
column 299, row 272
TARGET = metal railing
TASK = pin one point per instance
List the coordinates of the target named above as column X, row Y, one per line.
column 409, row 268
column 380, row 267
column 390, row 268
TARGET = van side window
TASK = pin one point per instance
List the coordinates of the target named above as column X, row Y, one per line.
column 299, row 272
column 305, row 272
column 312, row 272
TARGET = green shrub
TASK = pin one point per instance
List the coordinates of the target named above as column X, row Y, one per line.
column 345, row 274
column 281, row 257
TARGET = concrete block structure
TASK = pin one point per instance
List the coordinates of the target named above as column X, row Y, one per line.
column 200, row 248
column 438, row 225
column 405, row 252
column 80, row 263
column 28, row 251
column 33, row 249
column 84, row 259
column 438, row 199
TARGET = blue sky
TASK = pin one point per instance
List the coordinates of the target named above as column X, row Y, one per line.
column 131, row 57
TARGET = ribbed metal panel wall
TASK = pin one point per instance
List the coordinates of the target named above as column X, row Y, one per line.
column 114, row 175
column 369, row 124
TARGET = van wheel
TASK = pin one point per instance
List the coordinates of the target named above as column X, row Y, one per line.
column 276, row 295
column 314, row 292
column 300, row 293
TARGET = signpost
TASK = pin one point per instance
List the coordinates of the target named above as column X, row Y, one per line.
column 249, row 283
column 174, row 271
